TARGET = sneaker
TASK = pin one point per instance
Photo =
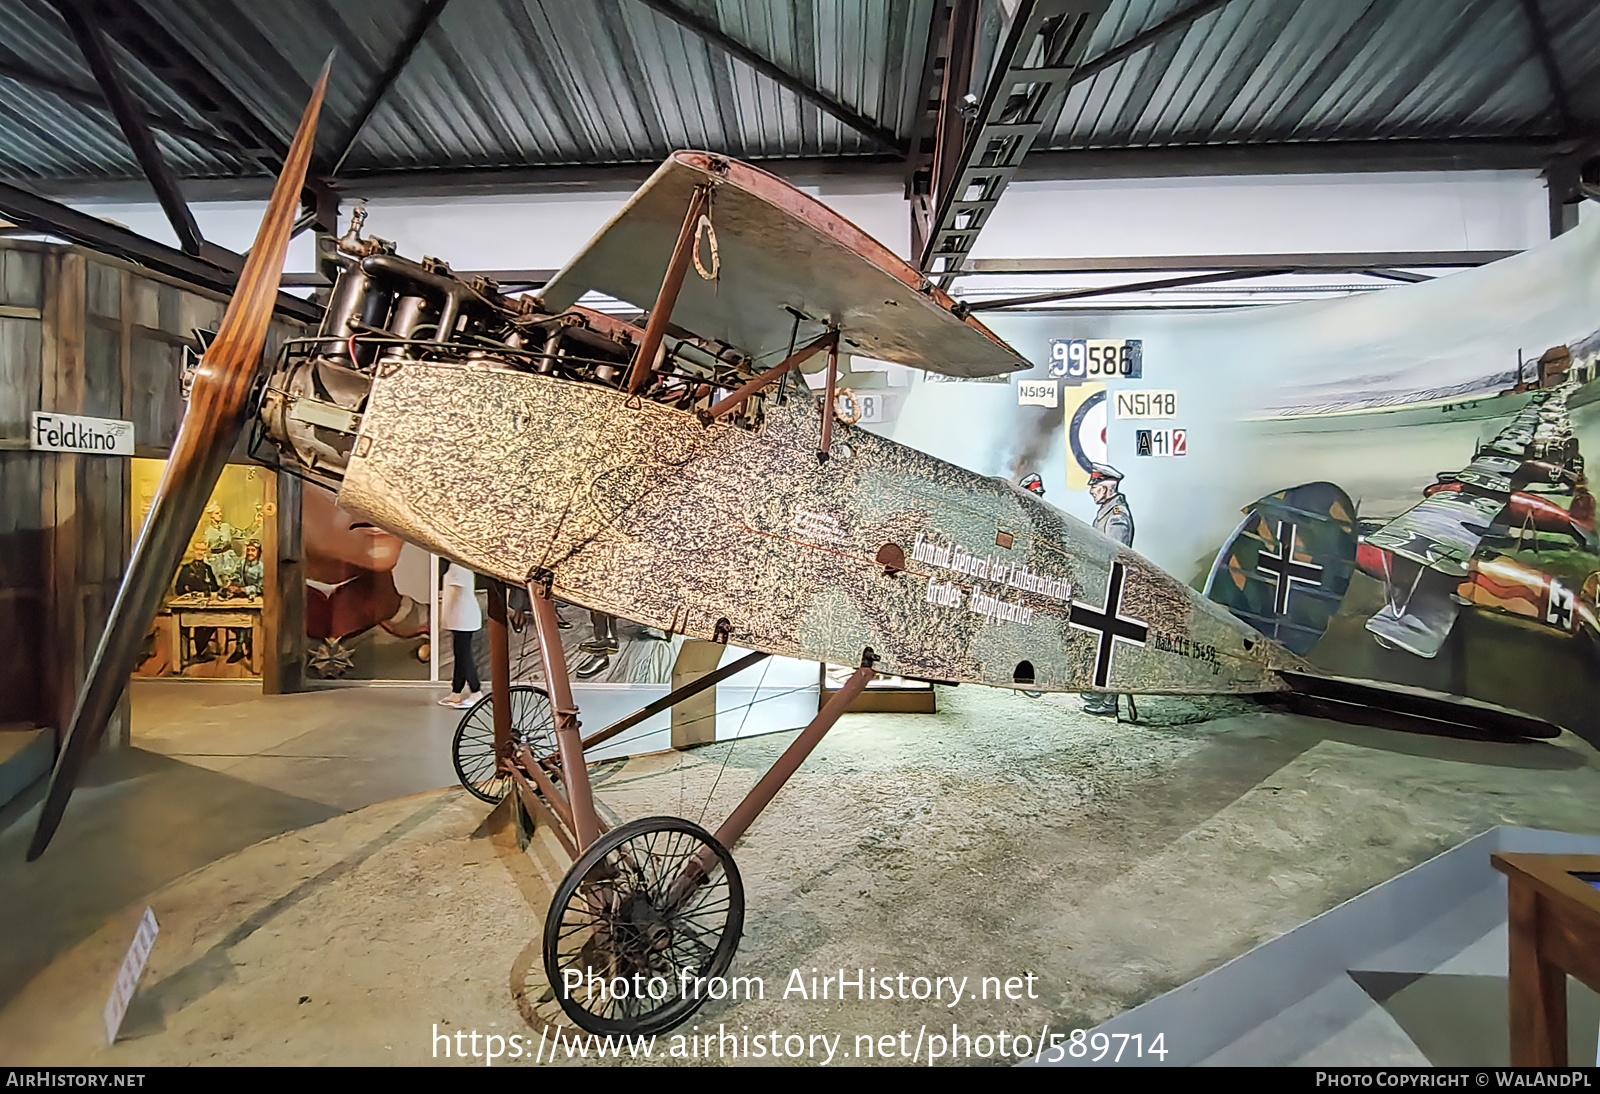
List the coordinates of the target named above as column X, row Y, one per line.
column 451, row 700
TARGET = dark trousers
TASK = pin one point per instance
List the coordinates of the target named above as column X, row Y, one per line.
column 466, row 675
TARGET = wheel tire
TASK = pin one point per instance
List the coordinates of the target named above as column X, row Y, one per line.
column 610, row 919
column 532, row 723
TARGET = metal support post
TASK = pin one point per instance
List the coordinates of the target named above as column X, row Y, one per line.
column 574, row 771
column 644, row 360
column 798, row 357
column 499, row 673
column 827, row 406
column 793, row 756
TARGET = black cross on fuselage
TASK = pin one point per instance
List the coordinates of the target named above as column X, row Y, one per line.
column 1110, row 624
column 1285, row 570
column 1560, row 609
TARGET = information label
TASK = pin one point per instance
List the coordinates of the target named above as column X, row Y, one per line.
column 1147, row 404
column 72, row 433
column 1161, row 442
column 1076, row 360
column 1038, row 393
column 144, row 939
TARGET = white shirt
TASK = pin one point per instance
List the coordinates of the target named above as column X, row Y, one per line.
column 459, row 610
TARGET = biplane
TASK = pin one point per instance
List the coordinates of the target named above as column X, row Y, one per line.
column 1438, row 556
column 675, row 474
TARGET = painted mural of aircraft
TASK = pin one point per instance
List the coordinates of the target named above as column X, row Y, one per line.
column 1435, row 558
column 675, row 474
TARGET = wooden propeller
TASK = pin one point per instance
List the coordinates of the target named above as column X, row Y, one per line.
column 218, row 405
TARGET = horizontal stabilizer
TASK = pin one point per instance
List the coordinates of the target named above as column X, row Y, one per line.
column 1396, row 706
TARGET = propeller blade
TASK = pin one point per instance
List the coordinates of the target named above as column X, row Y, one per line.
column 218, row 404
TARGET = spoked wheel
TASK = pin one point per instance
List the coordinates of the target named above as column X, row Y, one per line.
column 532, row 723
column 649, row 913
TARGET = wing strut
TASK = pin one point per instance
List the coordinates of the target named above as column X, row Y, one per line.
column 829, row 341
column 827, row 406
column 644, row 361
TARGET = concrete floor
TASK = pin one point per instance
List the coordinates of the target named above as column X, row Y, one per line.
column 1002, row 837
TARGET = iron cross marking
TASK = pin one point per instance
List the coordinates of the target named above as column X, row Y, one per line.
column 1285, row 570
column 1110, row 624
column 1559, row 610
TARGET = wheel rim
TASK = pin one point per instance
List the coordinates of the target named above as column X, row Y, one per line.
column 532, row 724
column 623, row 913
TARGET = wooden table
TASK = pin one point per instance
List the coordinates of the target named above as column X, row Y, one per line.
column 1554, row 921
column 188, row 612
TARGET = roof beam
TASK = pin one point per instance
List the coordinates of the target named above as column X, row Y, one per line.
column 12, row 68
column 1114, row 290
column 1351, row 262
column 1398, row 275
column 1040, row 52
column 714, row 35
column 923, row 144
column 887, row 171
column 1145, row 39
column 50, row 218
column 172, row 63
column 1300, row 157
column 424, row 21
column 1547, row 57
column 143, row 144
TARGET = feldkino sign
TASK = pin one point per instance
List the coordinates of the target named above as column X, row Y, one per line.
column 71, row 433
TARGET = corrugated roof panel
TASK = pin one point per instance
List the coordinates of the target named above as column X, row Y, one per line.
column 1577, row 57
column 268, row 54
column 506, row 83
column 608, row 82
column 48, row 136
column 1268, row 71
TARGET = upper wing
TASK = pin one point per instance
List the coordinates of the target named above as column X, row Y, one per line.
column 1441, row 532
column 781, row 253
column 1488, row 473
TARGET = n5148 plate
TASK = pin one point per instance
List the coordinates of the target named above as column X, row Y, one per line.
column 1147, row 404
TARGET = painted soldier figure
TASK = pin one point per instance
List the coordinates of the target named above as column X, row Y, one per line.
column 1114, row 519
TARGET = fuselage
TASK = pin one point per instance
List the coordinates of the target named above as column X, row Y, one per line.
column 744, row 536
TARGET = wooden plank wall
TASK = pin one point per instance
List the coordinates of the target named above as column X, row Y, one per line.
column 23, row 552
column 81, row 334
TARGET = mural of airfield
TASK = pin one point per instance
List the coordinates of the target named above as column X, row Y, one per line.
column 1443, row 424
column 1485, row 581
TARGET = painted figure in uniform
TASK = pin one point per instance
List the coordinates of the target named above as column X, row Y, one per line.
column 248, row 581
column 219, row 537
column 1115, row 519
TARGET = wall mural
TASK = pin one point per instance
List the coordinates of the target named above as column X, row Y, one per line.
column 209, row 625
column 1444, row 424
column 367, row 596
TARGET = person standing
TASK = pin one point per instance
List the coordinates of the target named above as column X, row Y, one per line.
column 1115, row 519
column 463, row 618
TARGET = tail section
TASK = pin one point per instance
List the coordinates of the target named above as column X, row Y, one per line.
column 1287, row 565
